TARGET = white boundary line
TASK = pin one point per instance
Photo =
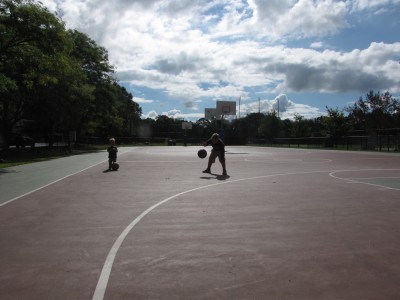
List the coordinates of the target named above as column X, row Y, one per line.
column 354, row 180
column 106, row 271
column 317, row 160
column 383, row 177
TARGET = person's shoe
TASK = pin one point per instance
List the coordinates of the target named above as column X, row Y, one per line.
column 224, row 173
column 207, row 170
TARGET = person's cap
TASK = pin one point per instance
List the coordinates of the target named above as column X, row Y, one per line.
column 215, row 136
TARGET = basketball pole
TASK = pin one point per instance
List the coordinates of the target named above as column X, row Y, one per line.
column 239, row 105
column 278, row 108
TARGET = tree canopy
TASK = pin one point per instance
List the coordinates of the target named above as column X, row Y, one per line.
column 58, row 78
column 375, row 111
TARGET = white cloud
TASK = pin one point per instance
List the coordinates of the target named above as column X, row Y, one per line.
column 314, row 18
column 306, row 111
column 177, row 114
column 287, row 108
column 153, row 50
column 141, row 100
column 50, row 4
column 330, row 71
column 281, row 104
column 360, row 5
column 150, row 115
column 317, row 45
column 196, row 51
column 304, row 18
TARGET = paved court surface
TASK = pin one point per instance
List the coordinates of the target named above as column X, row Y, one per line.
column 285, row 224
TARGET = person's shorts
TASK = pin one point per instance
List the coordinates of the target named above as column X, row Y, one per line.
column 214, row 154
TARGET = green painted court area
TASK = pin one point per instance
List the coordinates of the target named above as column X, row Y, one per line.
column 390, row 182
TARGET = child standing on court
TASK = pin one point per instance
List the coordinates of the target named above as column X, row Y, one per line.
column 218, row 150
column 112, row 154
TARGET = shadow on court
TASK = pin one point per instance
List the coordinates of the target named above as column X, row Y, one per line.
column 215, row 176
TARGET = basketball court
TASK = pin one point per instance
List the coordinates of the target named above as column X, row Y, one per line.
column 284, row 224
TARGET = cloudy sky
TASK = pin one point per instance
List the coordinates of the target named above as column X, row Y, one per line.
column 178, row 57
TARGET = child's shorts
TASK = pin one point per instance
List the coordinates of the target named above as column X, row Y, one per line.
column 215, row 153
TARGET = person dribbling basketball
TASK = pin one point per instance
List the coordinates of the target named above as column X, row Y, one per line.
column 218, row 150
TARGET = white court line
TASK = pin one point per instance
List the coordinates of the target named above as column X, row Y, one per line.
column 106, row 271
column 354, row 180
column 322, row 160
column 383, row 177
column 159, row 161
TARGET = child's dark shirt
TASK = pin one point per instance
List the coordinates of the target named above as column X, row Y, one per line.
column 112, row 152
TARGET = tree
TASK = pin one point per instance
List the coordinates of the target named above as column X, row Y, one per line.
column 167, row 127
column 99, row 112
column 92, row 58
column 300, row 128
column 129, row 110
column 286, row 125
column 32, row 55
column 253, row 123
column 270, row 126
column 376, row 111
column 335, row 125
column 203, row 128
column 60, row 80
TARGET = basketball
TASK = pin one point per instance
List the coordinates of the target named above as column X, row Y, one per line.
column 115, row 166
column 202, row 153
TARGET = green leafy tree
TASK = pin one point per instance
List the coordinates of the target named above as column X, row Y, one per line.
column 316, row 126
column 103, row 119
column 92, row 58
column 253, row 124
column 167, row 127
column 286, row 126
column 128, row 110
column 112, row 110
column 300, row 127
column 99, row 110
column 203, row 128
column 376, row 111
column 32, row 55
column 270, row 126
column 238, row 131
column 62, row 80
column 162, row 126
column 335, row 125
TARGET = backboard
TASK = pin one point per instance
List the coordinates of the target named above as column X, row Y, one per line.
column 226, row 108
